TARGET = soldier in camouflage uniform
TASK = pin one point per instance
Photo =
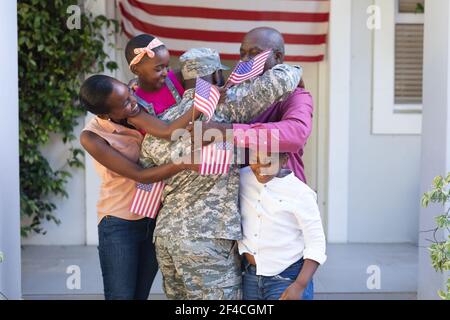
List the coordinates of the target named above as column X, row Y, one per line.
column 199, row 221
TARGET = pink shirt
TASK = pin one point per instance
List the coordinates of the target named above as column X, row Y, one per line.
column 116, row 191
column 289, row 122
column 162, row 99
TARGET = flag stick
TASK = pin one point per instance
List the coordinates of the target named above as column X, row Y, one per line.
column 226, row 85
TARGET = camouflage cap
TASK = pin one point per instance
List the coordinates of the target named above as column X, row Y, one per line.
column 199, row 62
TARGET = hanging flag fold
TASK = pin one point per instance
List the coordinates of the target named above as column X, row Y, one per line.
column 221, row 24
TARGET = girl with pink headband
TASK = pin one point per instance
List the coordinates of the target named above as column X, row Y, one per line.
column 158, row 88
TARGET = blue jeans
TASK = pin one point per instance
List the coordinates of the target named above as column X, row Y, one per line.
column 127, row 257
column 271, row 288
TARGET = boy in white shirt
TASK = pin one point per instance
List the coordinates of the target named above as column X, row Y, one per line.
column 283, row 240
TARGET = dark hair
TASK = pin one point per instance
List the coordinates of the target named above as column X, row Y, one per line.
column 284, row 156
column 94, row 92
column 140, row 41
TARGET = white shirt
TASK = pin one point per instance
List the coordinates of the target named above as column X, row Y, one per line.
column 281, row 222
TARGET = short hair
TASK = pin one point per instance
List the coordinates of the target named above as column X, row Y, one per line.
column 140, row 41
column 273, row 39
column 94, row 92
column 284, row 156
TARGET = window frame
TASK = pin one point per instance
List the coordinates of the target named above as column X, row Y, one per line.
column 387, row 116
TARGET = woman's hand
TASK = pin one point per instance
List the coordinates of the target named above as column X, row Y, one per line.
column 193, row 167
column 191, row 160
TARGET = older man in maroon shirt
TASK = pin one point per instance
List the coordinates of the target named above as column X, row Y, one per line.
column 287, row 123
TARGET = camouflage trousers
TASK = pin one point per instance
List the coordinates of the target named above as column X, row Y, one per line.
column 199, row 269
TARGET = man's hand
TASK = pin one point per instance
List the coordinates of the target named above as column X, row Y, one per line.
column 224, row 128
column 293, row 292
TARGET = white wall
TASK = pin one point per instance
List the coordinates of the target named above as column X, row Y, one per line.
column 10, row 270
column 339, row 49
column 92, row 180
column 436, row 135
column 384, row 170
column 72, row 210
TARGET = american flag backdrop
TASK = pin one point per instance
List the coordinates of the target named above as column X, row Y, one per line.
column 221, row 25
column 147, row 199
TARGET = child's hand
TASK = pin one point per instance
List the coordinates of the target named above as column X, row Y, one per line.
column 293, row 292
column 133, row 84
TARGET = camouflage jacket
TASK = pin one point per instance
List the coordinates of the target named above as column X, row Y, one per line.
column 197, row 206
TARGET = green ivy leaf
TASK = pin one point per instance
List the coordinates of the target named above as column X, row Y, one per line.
column 52, row 64
column 440, row 251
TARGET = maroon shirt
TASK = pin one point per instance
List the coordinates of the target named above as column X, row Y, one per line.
column 289, row 122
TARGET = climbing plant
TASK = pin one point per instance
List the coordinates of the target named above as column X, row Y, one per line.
column 420, row 8
column 440, row 248
column 55, row 54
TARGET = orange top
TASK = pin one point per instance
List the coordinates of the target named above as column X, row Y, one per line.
column 116, row 192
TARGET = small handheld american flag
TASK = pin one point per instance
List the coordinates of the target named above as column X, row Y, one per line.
column 206, row 97
column 216, row 158
column 248, row 69
column 147, row 199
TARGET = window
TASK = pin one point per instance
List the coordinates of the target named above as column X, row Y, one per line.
column 398, row 67
column 408, row 56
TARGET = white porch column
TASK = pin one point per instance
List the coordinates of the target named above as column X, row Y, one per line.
column 339, row 102
column 97, row 7
column 435, row 131
column 10, row 269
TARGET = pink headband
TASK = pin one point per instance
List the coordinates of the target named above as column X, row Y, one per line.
column 141, row 52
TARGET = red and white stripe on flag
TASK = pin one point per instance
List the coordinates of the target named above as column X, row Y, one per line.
column 221, row 24
column 147, row 199
column 216, row 158
column 206, row 98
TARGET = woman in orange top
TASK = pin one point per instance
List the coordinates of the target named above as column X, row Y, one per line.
column 126, row 249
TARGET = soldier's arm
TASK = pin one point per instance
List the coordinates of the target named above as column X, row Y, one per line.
column 245, row 101
column 161, row 129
